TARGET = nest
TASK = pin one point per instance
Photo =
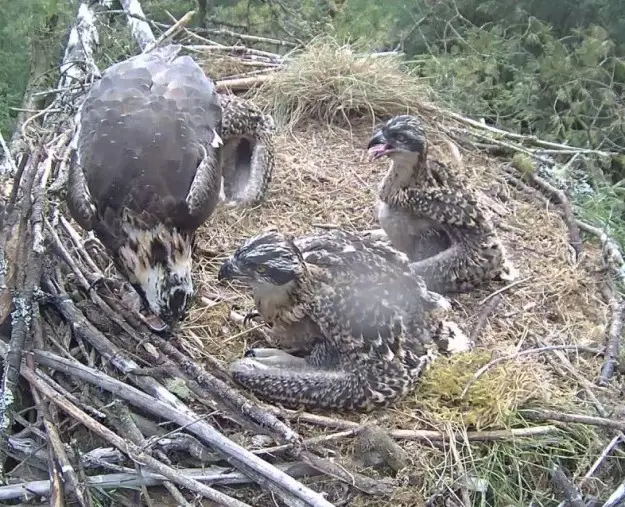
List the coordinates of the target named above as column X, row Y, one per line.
column 499, row 425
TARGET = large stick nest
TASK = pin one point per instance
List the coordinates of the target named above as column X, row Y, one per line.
column 498, row 424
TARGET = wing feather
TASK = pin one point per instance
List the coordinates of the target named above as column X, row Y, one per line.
column 148, row 125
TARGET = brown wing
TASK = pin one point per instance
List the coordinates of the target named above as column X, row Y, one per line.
column 145, row 127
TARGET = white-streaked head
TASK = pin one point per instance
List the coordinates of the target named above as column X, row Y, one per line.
column 158, row 264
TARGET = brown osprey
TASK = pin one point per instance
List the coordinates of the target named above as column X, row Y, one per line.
column 146, row 171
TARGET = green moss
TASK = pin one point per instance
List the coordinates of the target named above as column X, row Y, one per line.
column 492, row 400
column 523, row 163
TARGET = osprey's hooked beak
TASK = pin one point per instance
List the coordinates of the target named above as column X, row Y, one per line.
column 228, row 271
column 378, row 146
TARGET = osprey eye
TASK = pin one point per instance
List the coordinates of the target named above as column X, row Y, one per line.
column 261, row 268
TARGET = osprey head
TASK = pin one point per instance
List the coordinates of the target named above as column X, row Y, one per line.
column 401, row 136
column 157, row 262
column 270, row 258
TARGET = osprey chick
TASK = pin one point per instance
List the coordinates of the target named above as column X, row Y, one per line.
column 146, row 171
column 433, row 217
column 371, row 324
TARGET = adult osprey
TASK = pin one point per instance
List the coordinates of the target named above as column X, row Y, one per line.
column 146, row 171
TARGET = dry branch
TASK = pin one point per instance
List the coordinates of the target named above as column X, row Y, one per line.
column 139, row 28
column 244, row 83
column 135, row 452
column 551, row 415
column 238, row 456
column 565, row 488
column 217, row 476
column 170, row 32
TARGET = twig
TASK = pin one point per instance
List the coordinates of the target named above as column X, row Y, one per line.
column 355, row 479
column 543, row 415
column 129, row 448
column 476, row 436
column 604, row 454
column 26, row 266
column 8, row 156
column 516, row 355
column 251, row 38
column 614, row 336
column 213, row 475
column 504, row 289
column 243, row 83
column 237, row 455
column 486, row 311
column 139, row 28
column 83, row 497
column 170, row 32
column 233, row 397
column 617, row 498
column 512, row 135
column 569, row 218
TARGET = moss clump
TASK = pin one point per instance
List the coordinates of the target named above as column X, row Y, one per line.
column 523, row 163
column 492, row 400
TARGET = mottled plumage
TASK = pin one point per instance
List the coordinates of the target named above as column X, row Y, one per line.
column 371, row 324
column 248, row 151
column 146, row 171
column 433, row 216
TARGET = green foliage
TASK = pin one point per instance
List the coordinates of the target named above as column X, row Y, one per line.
column 30, row 39
column 524, row 77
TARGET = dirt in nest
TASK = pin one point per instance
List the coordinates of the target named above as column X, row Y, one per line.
column 323, row 178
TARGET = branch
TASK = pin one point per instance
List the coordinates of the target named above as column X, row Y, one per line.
column 237, row 455
column 78, row 59
column 543, row 415
column 170, row 32
column 241, row 84
column 214, row 475
column 23, row 265
column 129, row 448
column 140, row 29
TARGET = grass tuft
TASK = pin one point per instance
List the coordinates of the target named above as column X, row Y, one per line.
column 332, row 83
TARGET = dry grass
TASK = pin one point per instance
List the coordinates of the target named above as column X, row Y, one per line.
column 322, row 177
column 330, row 82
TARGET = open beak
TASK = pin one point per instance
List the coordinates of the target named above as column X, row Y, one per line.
column 227, row 271
column 378, row 146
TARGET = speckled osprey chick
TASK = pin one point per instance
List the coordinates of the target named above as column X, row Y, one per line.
column 371, row 325
column 430, row 215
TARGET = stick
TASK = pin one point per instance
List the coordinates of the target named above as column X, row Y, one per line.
column 569, row 218
column 139, row 28
column 614, row 337
column 251, row 38
column 242, row 84
column 8, row 157
column 604, row 454
column 213, row 475
column 543, row 415
column 129, row 448
column 616, row 499
column 216, row 386
column 56, row 447
column 237, row 455
column 170, row 32
column 486, row 311
column 512, row 135
column 25, row 265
